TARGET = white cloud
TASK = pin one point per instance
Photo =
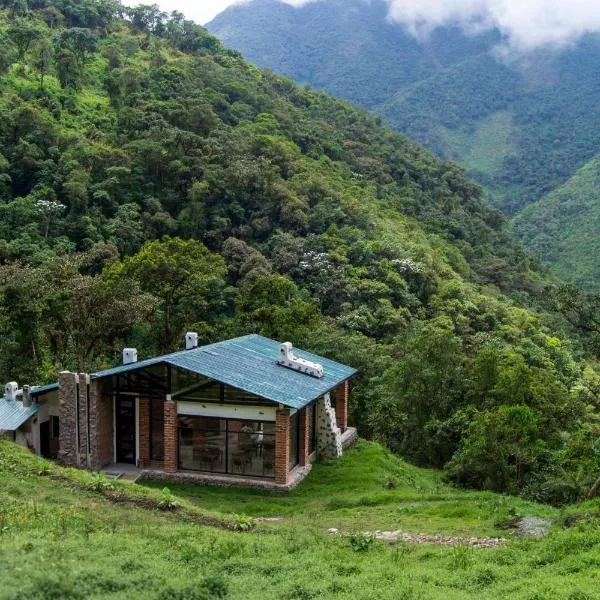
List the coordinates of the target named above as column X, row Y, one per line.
column 525, row 23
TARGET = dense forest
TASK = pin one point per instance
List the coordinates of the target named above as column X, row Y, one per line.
column 521, row 124
column 153, row 182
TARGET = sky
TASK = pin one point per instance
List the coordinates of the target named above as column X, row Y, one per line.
column 527, row 24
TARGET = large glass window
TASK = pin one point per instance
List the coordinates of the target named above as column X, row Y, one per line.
column 202, row 444
column 227, row 446
column 157, row 429
column 251, row 448
column 293, row 447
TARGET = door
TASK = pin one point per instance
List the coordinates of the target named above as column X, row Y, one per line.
column 45, row 439
column 125, row 429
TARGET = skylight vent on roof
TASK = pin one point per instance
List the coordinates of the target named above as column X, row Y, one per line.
column 287, row 359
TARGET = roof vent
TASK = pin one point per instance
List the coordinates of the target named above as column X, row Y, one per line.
column 191, row 340
column 129, row 355
column 287, row 359
column 11, row 389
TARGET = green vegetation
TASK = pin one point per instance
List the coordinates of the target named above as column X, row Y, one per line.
column 563, row 227
column 154, row 182
column 61, row 540
column 521, row 126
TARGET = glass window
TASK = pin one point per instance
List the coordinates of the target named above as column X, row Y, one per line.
column 251, row 448
column 293, row 447
column 202, row 444
column 157, row 429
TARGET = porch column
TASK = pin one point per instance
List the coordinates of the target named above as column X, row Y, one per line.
column 282, row 445
column 144, row 426
column 170, row 465
column 303, row 441
column 341, row 406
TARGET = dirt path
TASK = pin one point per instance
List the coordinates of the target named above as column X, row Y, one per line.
column 426, row 538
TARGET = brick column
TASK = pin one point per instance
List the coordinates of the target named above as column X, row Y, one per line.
column 144, row 425
column 67, row 401
column 170, row 465
column 303, row 441
column 341, row 406
column 282, row 445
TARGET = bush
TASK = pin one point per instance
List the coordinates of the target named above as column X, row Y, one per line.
column 361, row 542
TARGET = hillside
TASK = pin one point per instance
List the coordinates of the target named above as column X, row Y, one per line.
column 521, row 127
column 154, row 182
column 563, row 227
column 65, row 522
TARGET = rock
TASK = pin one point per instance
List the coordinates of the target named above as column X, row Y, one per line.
column 532, row 527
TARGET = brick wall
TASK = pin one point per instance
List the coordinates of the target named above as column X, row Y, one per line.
column 303, row 440
column 144, row 434
column 170, row 462
column 282, row 445
column 341, row 406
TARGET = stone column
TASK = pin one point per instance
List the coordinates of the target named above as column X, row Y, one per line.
column 144, row 425
column 341, row 406
column 67, row 401
column 170, row 465
column 303, row 441
column 282, row 445
column 101, row 426
column 83, row 420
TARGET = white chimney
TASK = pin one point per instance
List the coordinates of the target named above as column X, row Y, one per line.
column 26, row 396
column 289, row 360
column 129, row 355
column 11, row 389
column 191, row 340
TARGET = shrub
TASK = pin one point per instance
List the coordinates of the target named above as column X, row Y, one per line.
column 167, row 500
column 361, row 542
column 100, row 483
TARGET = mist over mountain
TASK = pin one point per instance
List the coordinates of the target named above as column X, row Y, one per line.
column 521, row 117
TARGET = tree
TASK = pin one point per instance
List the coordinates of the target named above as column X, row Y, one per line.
column 44, row 58
column 501, row 449
column 23, row 33
column 187, row 279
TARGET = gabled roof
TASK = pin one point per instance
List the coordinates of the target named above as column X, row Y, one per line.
column 13, row 414
column 249, row 363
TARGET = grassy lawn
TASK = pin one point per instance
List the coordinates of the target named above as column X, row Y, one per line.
column 61, row 539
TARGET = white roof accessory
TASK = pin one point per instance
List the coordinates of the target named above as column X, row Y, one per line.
column 287, row 359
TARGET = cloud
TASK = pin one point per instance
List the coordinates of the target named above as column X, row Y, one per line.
column 526, row 24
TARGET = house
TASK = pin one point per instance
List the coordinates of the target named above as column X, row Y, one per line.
column 245, row 411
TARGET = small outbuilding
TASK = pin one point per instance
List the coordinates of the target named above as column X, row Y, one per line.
column 246, row 411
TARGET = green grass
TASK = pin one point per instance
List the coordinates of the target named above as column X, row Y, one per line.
column 59, row 539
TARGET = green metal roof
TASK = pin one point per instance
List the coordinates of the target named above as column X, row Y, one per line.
column 43, row 389
column 13, row 414
column 249, row 363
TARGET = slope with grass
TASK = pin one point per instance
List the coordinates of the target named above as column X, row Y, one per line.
column 61, row 538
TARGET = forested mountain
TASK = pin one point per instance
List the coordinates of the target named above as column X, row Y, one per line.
column 154, row 182
column 521, row 125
